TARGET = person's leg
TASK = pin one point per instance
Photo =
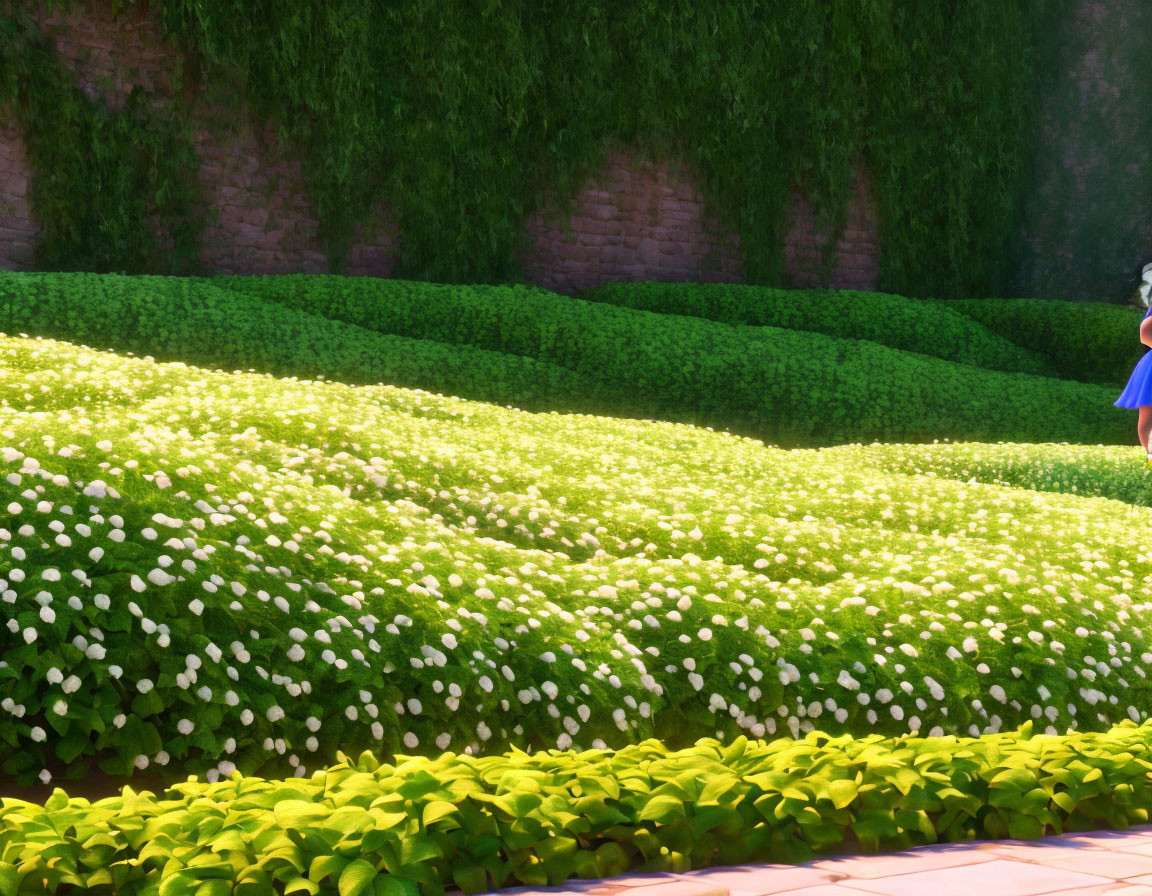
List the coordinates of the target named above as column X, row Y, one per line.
column 1144, row 425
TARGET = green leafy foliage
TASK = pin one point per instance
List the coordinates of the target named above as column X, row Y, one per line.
column 787, row 386
column 195, row 322
column 1092, row 342
column 206, row 571
column 758, row 97
column 911, row 325
column 1083, row 234
column 542, row 351
column 420, row 825
column 114, row 189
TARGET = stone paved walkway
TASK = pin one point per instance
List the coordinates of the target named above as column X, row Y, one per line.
column 1112, row 862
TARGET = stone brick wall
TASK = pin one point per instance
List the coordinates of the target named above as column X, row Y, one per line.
column 854, row 261
column 632, row 222
column 17, row 226
column 109, row 55
column 635, row 221
column 645, row 221
column 259, row 215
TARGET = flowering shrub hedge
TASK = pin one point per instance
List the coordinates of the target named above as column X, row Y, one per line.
column 219, row 571
column 1069, row 469
column 913, row 325
column 480, row 823
column 785, row 386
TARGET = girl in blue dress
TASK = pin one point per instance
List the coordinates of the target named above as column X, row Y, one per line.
column 1138, row 392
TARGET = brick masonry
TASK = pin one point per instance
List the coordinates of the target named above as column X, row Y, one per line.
column 17, row 225
column 855, row 259
column 259, row 215
column 646, row 221
column 636, row 221
column 633, row 220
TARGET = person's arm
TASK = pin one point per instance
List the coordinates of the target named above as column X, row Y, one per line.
column 1146, row 331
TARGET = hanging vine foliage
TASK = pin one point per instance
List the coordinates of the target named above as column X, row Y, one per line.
column 115, row 189
column 467, row 116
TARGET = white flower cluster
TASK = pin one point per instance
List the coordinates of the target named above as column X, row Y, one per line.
column 280, row 568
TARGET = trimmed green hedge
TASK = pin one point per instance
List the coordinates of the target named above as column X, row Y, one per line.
column 479, row 823
column 540, row 351
column 1092, row 342
column 910, row 325
column 173, row 318
column 783, row 386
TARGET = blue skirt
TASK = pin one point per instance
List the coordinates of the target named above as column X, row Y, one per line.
column 1138, row 392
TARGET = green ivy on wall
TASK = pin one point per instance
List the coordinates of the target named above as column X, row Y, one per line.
column 114, row 189
column 1087, row 214
column 468, row 115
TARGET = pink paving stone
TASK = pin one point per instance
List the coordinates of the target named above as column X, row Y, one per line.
column 647, row 884
column 1141, row 846
column 1116, row 889
column 915, row 860
column 642, row 880
column 1000, row 876
column 1108, row 839
column 698, row 887
column 1046, row 853
column 762, row 880
column 824, row 890
column 1116, row 865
